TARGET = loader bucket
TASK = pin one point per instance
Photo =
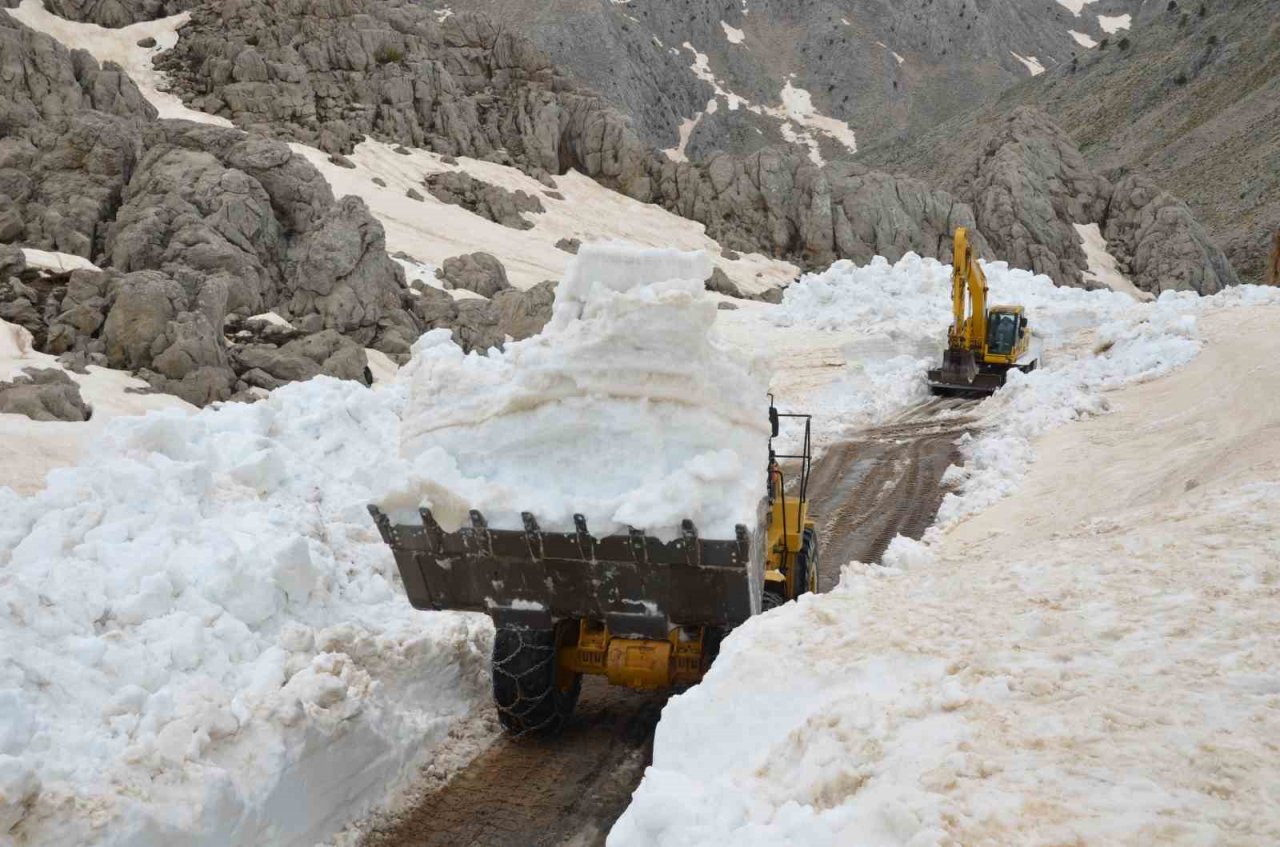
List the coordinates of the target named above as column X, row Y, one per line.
column 637, row 584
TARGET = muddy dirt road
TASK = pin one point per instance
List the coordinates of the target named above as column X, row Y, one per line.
column 568, row 791
column 884, row 483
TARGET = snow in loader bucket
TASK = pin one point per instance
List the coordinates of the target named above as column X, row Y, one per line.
column 638, row 584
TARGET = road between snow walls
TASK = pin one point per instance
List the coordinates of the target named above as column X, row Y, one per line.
column 204, row 640
column 204, row 637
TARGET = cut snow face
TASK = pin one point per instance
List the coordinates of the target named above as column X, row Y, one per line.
column 623, row 409
column 1082, row 663
column 202, row 635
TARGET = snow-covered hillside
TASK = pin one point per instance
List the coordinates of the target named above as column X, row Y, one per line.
column 1086, row 660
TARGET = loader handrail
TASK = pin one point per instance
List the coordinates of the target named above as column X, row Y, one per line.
column 806, row 461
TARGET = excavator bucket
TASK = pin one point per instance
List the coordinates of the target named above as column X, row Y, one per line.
column 960, row 376
column 637, row 584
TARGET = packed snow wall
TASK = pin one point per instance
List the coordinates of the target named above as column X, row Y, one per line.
column 625, row 409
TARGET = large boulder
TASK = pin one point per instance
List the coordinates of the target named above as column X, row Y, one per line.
column 480, row 273
column 327, row 352
column 340, row 274
column 522, row 314
column 491, row 202
column 1158, row 242
column 44, row 394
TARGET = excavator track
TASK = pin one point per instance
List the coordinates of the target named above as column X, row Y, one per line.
column 567, row 790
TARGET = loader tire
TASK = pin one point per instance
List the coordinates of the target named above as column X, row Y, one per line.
column 807, row 563
column 771, row 600
column 525, row 687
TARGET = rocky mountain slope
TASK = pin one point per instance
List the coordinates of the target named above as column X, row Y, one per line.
column 198, row 227
column 701, row 76
column 1188, row 98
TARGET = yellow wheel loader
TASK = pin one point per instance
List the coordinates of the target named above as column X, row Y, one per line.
column 983, row 344
column 642, row 612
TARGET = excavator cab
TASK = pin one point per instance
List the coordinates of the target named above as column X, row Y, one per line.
column 983, row 344
column 642, row 611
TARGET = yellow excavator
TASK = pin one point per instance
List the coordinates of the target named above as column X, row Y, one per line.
column 983, row 344
column 642, row 612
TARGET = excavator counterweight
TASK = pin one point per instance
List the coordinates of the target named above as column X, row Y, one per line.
column 983, row 344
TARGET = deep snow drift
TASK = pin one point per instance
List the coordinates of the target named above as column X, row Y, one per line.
column 624, row 409
column 1089, row 661
column 203, row 637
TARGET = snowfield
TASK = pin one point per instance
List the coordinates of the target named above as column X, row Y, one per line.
column 203, row 638
column 1089, row 660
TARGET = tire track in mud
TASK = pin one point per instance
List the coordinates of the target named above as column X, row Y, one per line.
column 885, row 482
column 567, row 791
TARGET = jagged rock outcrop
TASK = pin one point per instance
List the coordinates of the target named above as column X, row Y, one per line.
column 480, row 273
column 69, row 144
column 479, row 324
column 522, row 314
column 117, row 13
column 330, row 74
column 192, row 223
column 44, row 394
column 170, row 330
column 1159, row 244
column 264, row 365
column 492, row 202
column 1029, row 186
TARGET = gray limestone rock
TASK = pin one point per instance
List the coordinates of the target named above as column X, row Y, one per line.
column 1028, row 187
column 327, row 352
column 569, row 245
column 491, row 202
column 480, row 273
column 522, row 314
column 1158, row 243
column 44, row 394
column 117, row 13
column 12, row 261
column 720, row 283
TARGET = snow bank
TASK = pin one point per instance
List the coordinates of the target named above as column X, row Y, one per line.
column 1133, row 346
column 203, row 638
column 1088, row 663
column 623, row 409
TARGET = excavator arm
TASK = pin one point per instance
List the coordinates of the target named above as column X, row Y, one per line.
column 968, row 282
